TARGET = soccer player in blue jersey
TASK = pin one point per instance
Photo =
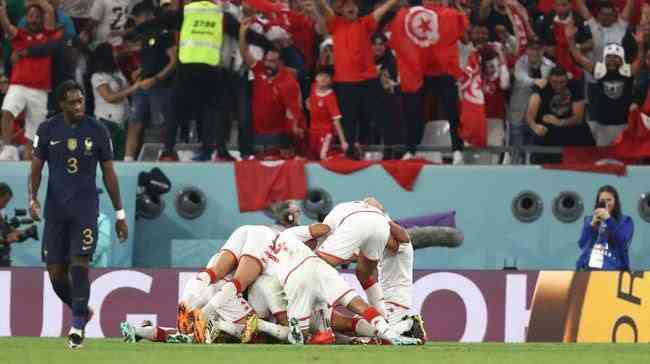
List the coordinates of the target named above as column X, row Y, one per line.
column 73, row 143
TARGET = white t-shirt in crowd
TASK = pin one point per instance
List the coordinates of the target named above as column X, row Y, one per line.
column 117, row 112
column 111, row 15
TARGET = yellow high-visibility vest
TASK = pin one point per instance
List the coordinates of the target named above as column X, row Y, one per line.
column 201, row 34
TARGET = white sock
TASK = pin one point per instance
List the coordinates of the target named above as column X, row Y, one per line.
column 403, row 326
column 227, row 292
column 277, row 331
column 376, row 298
column 364, row 328
column 129, row 159
column 147, row 332
column 384, row 331
column 230, row 328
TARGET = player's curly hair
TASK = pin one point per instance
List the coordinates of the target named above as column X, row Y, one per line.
column 65, row 87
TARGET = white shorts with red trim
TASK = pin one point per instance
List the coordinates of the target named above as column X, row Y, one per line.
column 315, row 283
column 32, row 101
column 196, row 296
column 267, row 297
column 366, row 232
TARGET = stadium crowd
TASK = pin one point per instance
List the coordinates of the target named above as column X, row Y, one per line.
column 316, row 79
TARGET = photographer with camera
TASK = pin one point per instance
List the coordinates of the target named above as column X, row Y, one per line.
column 606, row 235
column 9, row 232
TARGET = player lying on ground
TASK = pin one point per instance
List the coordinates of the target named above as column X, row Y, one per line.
column 229, row 318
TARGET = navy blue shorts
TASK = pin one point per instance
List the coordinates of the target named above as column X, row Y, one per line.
column 65, row 238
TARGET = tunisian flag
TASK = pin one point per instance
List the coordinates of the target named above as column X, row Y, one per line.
column 473, row 125
column 631, row 146
column 259, row 184
column 413, row 32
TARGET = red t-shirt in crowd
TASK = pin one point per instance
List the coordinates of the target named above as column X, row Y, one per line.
column 34, row 72
column 323, row 108
column 495, row 99
column 304, row 37
column 444, row 59
column 269, row 104
column 353, row 57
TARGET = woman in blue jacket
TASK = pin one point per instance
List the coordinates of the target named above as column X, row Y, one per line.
column 606, row 235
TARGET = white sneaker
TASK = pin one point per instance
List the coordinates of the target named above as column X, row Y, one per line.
column 9, row 153
column 458, row 158
column 407, row 156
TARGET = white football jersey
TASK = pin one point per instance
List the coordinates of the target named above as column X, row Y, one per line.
column 396, row 275
column 345, row 209
column 261, row 235
column 111, row 15
column 282, row 256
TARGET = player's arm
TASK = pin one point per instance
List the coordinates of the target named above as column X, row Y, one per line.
column 367, row 275
column 113, row 188
column 34, row 183
column 5, row 23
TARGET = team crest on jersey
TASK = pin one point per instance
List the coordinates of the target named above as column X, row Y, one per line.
column 72, row 144
column 152, row 42
column 88, row 144
column 422, row 26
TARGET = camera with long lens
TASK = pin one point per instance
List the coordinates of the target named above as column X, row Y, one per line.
column 9, row 224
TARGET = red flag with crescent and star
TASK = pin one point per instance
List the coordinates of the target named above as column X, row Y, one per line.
column 473, row 125
column 412, row 34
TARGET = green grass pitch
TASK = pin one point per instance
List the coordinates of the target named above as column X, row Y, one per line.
column 23, row 350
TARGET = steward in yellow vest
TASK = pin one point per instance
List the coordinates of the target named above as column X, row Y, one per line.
column 200, row 81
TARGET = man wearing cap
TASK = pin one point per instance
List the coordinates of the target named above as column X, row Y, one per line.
column 612, row 97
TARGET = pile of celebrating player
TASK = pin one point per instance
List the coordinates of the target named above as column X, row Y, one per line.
column 266, row 285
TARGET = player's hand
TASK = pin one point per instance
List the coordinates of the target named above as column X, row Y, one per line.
column 122, row 230
column 345, row 146
column 35, row 210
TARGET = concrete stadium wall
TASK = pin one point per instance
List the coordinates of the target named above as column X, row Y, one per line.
column 481, row 195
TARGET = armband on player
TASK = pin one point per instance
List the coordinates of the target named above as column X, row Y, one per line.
column 120, row 214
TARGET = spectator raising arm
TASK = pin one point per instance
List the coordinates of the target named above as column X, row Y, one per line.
column 570, row 31
column 582, row 9
column 7, row 27
column 626, row 13
column 485, row 9
column 246, row 55
column 379, row 13
column 49, row 19
column 325, row 9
